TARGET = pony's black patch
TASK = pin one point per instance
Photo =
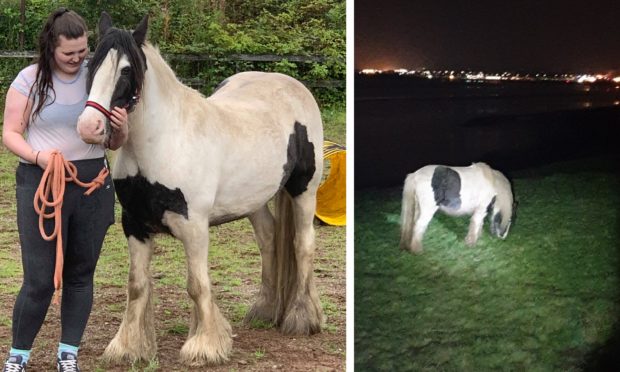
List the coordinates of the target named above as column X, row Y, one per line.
column 491, row 205
column 446, row 185
column 496, row 225
column 300, row 164
column 144, row 204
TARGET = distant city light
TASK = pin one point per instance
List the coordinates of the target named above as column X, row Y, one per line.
column 427, row 74
column 477, row 76
column 586, row 79
column 370, row 71
column 481, row 76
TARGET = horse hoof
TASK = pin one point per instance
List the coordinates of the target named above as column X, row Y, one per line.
column 304, row 318
column 470, row 242
column 117, row 352
column 207, row 349
column 259, row 313
column 416, row 248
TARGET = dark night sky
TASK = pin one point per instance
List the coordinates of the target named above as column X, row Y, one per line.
column 493, row 35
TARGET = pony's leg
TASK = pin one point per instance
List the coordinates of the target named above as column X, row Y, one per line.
column 423, row 215
column 409, row 208
column 475, row 226
column 210, row 336
column 263, row 224
column 135, row 339
column 303, row 312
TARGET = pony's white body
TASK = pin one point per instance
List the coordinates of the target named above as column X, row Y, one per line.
column 480, row 190
column 234, row 137
column 192, row 162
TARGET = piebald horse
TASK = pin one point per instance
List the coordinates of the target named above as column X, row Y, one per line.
column 475, row 190
column 192, row 162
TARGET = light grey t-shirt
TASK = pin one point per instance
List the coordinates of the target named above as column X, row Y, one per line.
column 56, row 125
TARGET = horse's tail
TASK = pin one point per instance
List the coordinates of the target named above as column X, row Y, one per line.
column 407, row 214
column 284, row 255
column 293, row 316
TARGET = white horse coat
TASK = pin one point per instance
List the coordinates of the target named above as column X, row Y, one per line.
column 191, row 163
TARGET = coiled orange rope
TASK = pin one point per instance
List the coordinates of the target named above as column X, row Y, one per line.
column 53, row 182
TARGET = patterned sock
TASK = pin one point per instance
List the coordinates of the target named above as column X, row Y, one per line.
column 25, row 354
column 67, row 348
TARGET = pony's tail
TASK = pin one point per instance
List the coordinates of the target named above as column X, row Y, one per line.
column 407, row 214
column 292, row 314
column 284, row 255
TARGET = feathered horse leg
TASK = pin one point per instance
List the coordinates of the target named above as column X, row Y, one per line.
column 263, row 224
column 475, row 226
column 135, row 339
column 210, row 336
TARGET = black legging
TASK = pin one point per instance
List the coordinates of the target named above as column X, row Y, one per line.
column 85, row 221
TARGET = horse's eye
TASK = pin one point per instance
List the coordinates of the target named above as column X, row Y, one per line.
column 125, row 71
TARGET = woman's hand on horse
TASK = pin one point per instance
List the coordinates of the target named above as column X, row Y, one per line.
column 120, row 129
column 119, row 120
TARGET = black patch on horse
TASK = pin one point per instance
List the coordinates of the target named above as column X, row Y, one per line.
column 496, row 225
column 132, row 78
column 144, row 204
column 446, row 184
column 495, row 219
column 491, row 205
column 300, row 162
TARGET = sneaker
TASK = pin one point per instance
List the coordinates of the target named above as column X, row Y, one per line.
column 14, row 364
column 67, row 362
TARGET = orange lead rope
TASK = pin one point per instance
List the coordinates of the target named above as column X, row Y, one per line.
column 53, row 181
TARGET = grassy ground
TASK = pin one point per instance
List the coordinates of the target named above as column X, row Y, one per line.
column 542, row 300
column 234, row 262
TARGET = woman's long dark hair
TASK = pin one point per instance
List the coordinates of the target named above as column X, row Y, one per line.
column 63, row 22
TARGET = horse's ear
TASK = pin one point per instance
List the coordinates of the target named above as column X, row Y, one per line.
column 139, row 34
column 105, row 22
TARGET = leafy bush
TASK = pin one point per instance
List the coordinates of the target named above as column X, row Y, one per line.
column 219, row 29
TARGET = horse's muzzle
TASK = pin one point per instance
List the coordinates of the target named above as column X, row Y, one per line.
column 93, row 127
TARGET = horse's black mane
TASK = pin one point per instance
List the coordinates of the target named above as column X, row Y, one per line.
column 125, row 44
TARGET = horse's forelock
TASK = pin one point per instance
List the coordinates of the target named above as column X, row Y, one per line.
column 125, row 45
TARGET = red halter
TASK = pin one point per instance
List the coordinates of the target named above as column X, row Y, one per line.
column 99, row 108
column 129, row 106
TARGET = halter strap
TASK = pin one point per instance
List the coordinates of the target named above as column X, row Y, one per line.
column 99, row 108
column 108, row 114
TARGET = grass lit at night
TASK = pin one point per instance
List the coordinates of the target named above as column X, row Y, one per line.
column 542, row 300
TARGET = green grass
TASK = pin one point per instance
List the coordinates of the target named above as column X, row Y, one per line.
column 260, row 353
column 334, row 122
column 539, row 301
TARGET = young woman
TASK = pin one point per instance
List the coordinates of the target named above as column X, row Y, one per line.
column 40, row 117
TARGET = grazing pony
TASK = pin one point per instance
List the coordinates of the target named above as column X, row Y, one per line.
column 475, row 190
column 192, row 162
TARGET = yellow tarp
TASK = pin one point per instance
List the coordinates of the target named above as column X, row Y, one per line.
column 331, row 201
